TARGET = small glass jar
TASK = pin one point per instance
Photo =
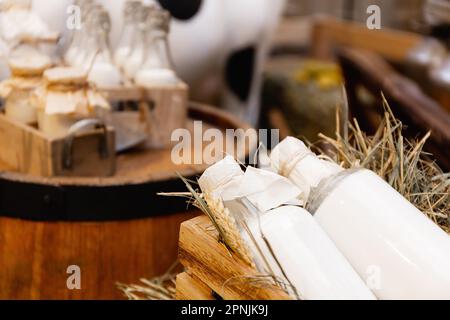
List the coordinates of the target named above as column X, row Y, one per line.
column 18, row 90
column 65, row 98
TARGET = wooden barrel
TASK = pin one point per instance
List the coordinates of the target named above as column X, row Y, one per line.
column 115, row 229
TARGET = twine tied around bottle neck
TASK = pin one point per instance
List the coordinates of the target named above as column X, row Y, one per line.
column 286, row 166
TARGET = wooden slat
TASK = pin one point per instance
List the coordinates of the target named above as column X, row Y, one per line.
column 410, row 104
column 27, row 150
column 87, row 161
column 166, row 111
column 391, row 44
column 191, row 288
column 34, row 256
column 278, row 121
column 207, row 259
column 163, row 108
column 23, row 148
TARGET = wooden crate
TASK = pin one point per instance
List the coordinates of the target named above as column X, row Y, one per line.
column 212, row 271
column 27, row 150
column 163, row 109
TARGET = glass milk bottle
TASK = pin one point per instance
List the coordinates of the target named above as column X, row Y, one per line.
column 88, row 47
column 136, row 56
column 75, row 47
column 103, row 72
column 158, row 67
column 389, row 242
column 129, row 32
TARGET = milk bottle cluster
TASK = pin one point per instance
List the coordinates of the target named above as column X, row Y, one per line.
column 142, row 55
column 329, row 233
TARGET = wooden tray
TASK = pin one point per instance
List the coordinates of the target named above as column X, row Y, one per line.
column 222, row 274
column 26, row 149
column 164, row 109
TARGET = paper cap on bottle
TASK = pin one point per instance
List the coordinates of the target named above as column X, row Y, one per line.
column 292, row 154
column 287, row 154
column 219, row 174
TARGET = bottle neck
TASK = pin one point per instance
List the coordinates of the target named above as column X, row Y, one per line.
column 128, row 34
column 103, row 48
column 157, row 54
column 295, row 161
column 319, row 193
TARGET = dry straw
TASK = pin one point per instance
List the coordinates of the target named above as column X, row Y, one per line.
column 159, row 288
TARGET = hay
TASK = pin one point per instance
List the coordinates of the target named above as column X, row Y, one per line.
column 401, row 162
column 159, row 288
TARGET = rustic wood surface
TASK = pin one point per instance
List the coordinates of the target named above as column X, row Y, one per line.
column 442, row 95
column 34, row 256
column 328, row 33
column 227, row 275
column 191, row 288
column 27, row 150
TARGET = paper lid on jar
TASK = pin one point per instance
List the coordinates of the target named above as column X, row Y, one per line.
column 29, row 65
column 65, row 75
column 219, row 174
column 15, row 4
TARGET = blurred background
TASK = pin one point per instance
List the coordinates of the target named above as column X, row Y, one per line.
column 321, row 45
